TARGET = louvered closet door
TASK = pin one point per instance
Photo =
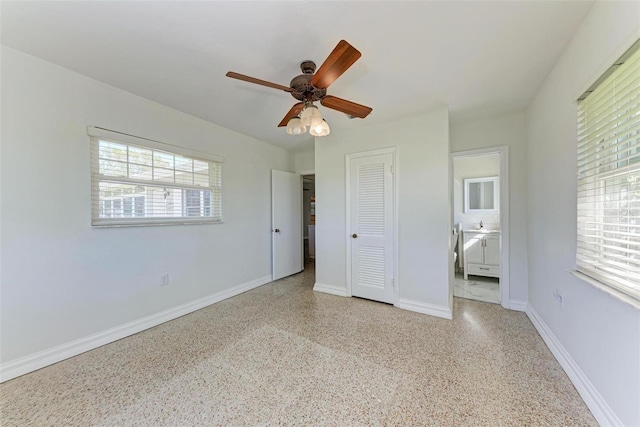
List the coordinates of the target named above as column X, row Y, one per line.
column 371, row 229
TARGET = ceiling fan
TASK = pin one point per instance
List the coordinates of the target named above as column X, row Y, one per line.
column 311, row 86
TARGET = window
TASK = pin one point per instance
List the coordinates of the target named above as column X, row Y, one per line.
column 608, row 248
column 136, row 181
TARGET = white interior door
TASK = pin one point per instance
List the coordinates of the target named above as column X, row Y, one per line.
column 371, row 201
column 286, row 223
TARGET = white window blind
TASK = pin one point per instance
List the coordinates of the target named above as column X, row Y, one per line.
column 142, row 182
column 608, row 247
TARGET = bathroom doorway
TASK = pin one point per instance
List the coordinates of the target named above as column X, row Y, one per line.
column 309, row 219
column 480, row 218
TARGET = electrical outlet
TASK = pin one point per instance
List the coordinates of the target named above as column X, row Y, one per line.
column 164, row 279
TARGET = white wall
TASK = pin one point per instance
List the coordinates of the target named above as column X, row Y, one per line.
column 599, row 333
column 63, row 280
column 506, row 130
column 304, row 161
column 424, row 211
column 473, row 167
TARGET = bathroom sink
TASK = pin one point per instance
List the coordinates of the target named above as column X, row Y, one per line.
column 482, row 231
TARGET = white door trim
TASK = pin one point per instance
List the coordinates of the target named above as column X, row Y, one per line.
column 394, row 152
column 503, row 151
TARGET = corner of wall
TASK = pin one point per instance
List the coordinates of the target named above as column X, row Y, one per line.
column 330, row 289
column 444, row 312
column 304, row 161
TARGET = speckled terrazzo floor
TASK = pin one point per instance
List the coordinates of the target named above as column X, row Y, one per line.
column 284, row 355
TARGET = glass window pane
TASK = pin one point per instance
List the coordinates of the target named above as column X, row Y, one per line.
column 112, row 168
column 117, row 207
column 207, row 202
column 139, row 206
column 140, row 172
column 128, row 207
column 216, row 174
column 184, row 178
column 112, row 151
column 106, row 209
column 199, row 179
column 162, row 160
column 184, row 164
column 164, row 175
column 201, row 167
column 141, row 156
column 192, row 202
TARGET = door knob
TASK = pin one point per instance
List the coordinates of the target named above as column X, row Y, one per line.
column 277, row 230
column 354, row 235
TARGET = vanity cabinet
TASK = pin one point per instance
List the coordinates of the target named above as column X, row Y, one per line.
column 481, row 253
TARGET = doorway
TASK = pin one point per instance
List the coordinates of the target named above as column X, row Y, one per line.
column 480, row 232
column 309, row 220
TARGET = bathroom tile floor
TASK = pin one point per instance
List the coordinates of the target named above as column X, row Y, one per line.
column 485, row 289
column 282, row 354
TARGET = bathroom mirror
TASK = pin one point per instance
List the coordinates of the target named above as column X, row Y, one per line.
column 482, row 194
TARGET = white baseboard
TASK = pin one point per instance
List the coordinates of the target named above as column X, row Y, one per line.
column 518, row 305
column 35, row 361
column 598, row 406
column 330, row 289
column 425, row 308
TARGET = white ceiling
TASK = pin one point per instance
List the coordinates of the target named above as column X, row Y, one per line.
column 480, row 58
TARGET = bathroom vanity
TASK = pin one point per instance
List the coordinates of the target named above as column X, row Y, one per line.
column 481, row 253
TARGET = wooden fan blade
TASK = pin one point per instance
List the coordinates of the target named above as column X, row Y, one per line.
column 295, row 110
column 258, row 81
column 347, row 107
column 339, row 61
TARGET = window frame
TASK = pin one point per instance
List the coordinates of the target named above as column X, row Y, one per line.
column 597, row 202
column 97, row 134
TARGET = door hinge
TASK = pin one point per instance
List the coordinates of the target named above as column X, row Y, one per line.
column 391, row 169
column 393, row 282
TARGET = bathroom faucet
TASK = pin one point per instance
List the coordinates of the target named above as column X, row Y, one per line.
column 481, row 224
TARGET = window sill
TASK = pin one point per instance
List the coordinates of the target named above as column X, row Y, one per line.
column 162, row 222
column 621, row 296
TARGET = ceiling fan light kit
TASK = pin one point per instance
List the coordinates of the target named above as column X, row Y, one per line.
column 321, row 129
column 295, row 126
column 312, row 86
column 310, row 115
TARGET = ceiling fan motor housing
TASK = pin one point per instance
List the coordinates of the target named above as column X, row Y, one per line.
column 302, row 87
